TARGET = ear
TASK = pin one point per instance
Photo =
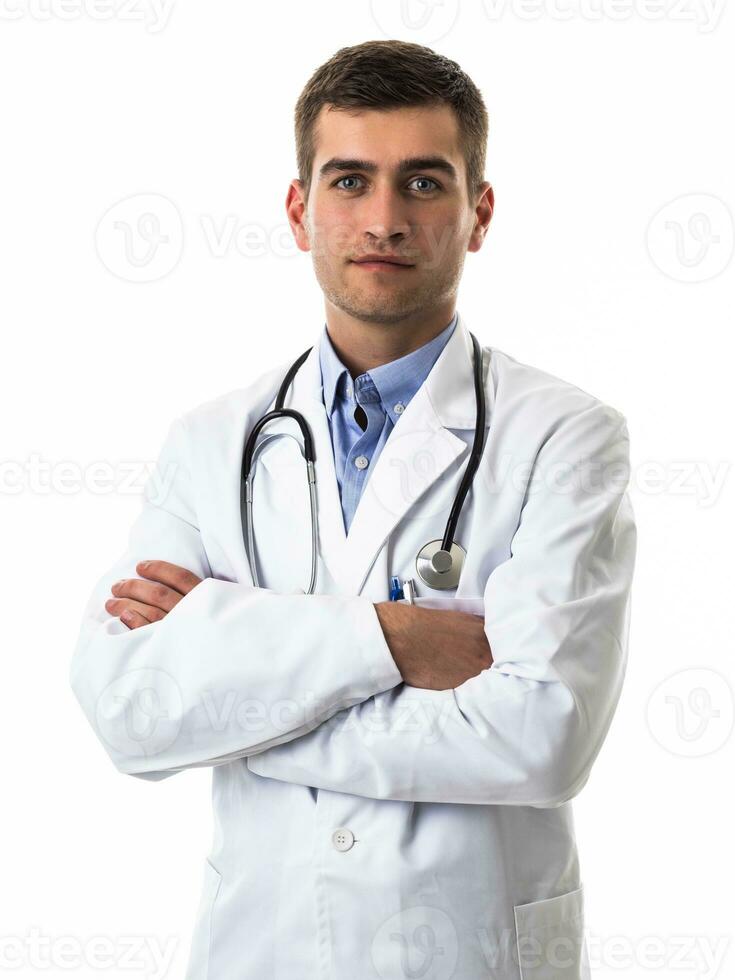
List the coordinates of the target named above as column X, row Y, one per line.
column 296, row 213
column 483, row 215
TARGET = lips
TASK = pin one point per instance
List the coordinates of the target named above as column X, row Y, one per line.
column 382, row 261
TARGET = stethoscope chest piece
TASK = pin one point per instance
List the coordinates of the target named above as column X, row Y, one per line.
column 440, row 569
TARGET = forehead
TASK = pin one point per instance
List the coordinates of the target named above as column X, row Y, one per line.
column 387, row 135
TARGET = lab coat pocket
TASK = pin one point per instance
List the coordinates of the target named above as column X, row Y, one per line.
column 470, row 604
column 198, row 966
column 550, row 938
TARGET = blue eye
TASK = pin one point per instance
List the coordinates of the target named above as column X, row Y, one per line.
column 355, row 177
column 426, row 178
column 352, row 177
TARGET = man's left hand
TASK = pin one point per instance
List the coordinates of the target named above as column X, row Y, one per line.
column 141, row 601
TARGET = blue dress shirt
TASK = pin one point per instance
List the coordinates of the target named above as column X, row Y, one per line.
column 382, row 393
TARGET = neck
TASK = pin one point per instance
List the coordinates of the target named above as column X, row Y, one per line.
column 362, row 345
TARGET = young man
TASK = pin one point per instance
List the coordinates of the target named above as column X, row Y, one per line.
column 392, row 782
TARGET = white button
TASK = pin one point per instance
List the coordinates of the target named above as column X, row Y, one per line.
column 343, row 839
column 398, row 408
column 361, row 462
column 349, row 389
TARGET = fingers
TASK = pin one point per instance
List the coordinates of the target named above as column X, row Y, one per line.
column 151, row 593
column 150, row 613
column 133, row 619
column 165, row 572
column 148, row 599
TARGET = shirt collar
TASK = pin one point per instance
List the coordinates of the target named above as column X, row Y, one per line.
column 396, row 382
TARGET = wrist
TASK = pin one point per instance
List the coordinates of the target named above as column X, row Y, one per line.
column 394, row 619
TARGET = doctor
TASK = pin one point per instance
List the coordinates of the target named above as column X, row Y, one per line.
column 392, row 783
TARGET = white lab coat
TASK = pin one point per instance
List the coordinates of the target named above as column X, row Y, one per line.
column 365, row 828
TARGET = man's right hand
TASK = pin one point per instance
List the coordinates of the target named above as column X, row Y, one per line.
column 435, row 649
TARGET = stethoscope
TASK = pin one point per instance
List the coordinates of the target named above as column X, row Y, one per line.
column 439, row 563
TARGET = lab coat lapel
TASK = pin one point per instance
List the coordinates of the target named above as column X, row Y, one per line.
column 419, row 450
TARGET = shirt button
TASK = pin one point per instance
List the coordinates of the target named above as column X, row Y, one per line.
column 361, row 462
column 398, row 408
column 343, row 839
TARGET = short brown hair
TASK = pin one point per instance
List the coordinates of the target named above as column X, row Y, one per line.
column 388, row 75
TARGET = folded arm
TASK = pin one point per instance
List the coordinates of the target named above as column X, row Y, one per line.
column 224, row 672
column 527, row 729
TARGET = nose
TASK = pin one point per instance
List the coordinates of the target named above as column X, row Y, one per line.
column 385, row 215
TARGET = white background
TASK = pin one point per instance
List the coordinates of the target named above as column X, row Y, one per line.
column 602, row 114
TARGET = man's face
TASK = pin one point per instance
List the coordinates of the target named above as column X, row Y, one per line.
column 364, row 199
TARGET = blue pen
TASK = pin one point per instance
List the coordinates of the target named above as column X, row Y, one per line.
column 396, row 592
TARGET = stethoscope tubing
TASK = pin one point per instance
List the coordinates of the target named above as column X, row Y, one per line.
column 309, row 452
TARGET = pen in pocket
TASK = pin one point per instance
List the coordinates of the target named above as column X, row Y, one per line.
column 398, row 592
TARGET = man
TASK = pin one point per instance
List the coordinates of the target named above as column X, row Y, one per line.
column 392, row 782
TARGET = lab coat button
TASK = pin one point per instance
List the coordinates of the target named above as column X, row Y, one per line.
column 361, row 462
column 343, row 839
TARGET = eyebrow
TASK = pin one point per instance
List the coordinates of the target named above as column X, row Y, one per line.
column 342, row 164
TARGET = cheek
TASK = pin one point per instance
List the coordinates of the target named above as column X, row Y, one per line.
column 440, row 237
column 332, row 230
